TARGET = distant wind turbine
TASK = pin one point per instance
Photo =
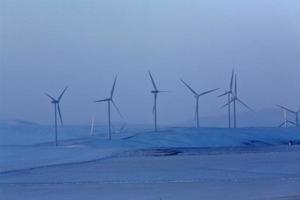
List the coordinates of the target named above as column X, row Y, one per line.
column 110, row 100
column 57, row 110
column 229, row 93
column 197, row 96
column 155, row 92
column 296, row 113
column 234, row 100
column 92, row 125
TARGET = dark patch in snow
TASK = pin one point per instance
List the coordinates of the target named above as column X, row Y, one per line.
column 256, row 143
column 191, row 151
column 294, row 142
column 151, row 152
column 17, row 122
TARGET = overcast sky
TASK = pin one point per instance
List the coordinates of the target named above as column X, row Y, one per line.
column 47, row 45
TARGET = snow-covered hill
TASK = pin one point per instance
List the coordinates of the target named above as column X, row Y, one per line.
column 202, row 158
column 23, row 146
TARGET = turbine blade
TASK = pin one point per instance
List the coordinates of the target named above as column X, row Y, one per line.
column 227, row 103
column 113, row 87
column 231, row 80
column 61, row 95
column 154, row 104
column 118, row 110
column 162, row 91
column 285, row 108
column 207, row 92
column 153, row 83
column 52, row 98
column 102, row 100
column 235, row 87
column 224, row 94
column 281, row 124
column 241, row 102
column 123, row 127
column 291, row 122
column 59, row 113
column 189, row 87
column 153, row 109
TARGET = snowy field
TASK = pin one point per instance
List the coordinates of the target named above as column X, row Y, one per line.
column 176, row 163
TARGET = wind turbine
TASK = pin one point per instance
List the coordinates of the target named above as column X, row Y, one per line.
column 155, row 92
column 197, row 96
column 286, row 121
column 296, row 113
column 92, row 125
column 234, row 100
column 229, row 94
column 110, row 101
column 57, row 110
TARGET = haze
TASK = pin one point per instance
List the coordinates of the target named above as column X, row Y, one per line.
column 83, row 44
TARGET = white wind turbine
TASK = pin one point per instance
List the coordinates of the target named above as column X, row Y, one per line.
column 57, row 111
column 234, row 100
column 110, row 101
column 155, row 92
column 197, row 96
column 286, row 121
column 229, row 94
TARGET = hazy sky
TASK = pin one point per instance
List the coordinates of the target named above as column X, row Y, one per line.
column 48, row 44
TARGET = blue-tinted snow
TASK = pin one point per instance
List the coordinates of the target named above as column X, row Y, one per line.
column 26, row 145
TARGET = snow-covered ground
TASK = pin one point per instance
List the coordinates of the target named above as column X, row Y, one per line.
column 175, row 163
column 272, row 175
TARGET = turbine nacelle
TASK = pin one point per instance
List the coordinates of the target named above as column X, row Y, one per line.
column 55, row 102
column 157, row 91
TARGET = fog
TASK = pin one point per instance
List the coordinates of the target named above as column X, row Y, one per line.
column 83, row 44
